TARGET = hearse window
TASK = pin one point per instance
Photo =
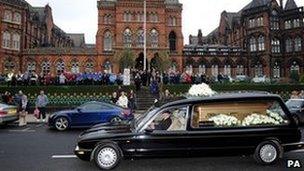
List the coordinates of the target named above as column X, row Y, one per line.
column 238, row 114
column 170, row 120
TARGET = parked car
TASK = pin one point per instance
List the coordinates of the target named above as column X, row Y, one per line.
column 235, row 124
column 8, row 114
column 89, row 114
column 296, row 107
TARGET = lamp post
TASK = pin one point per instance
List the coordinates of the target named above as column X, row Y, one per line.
column 145, row 35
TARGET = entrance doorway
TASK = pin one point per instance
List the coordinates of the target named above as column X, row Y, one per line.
column 140, row 62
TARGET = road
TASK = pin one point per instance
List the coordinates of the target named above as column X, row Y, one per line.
column 33, row 147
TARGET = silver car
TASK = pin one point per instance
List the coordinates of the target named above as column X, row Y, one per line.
column 8, row 114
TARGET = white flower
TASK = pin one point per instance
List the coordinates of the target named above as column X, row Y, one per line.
column 224, row 120
column 258, row 119
column 201, row 90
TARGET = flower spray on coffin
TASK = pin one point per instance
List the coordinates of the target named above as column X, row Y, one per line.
column 200, row 90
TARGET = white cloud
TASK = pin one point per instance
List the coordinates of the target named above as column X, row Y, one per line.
column 80, row 16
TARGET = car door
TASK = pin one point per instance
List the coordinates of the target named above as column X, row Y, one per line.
column 87, row 115
column 169, row 142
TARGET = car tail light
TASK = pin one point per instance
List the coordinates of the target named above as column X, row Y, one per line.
column 126, row 112
column 2, row 113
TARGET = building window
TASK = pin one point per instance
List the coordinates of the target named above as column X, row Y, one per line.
column 46, row 67
column 154, row 38
column 60, row 67
column 298, row 44
column 251, row 23
column 140, row 17
column 107, row 19
column 295, row 67
column 289, row 45
column 275, row 45
column 6, row 40
column 252, row 42
column 8, row 16
column 240, row 70
column 31, row 67
column 9, row 65
column 127, row 38
column 140, row 38
column 17, row 18
column 172, row 21
column 127, row 16
column 260, row 21
column 296, row 23
column 227, row 70
column 258, row 70
column 75, row 67
column 214, row 70
column 89, row 66
column 288, row 24
column 16, row 41
column 261, row 42
column 276, row 71
column 107, row 41
column 153, row 17
column 172, row 41
column 202, row 69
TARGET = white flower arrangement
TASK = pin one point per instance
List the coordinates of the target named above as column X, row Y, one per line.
column 258, row 119
column 275, row 116
column 200, row 90
column 224, row 120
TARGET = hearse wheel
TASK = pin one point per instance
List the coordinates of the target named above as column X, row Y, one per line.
column 107, row 156
column 268, row 152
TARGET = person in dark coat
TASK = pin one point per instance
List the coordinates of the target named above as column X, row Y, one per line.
column 114, row 98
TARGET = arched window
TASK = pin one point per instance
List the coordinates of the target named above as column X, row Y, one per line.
column 16, row 41
column 288, row 45
column 89, row 67
column 127, row 16
column 298, row 44
column 258, row 70
column 261, row 42
column 9, row 65
column 252, row 43
column 227, row 70
column 75, row 67
column 31, row 67
column 60, row 67
column 172, row 41
column 214, row 71
column 276, row 71
column 275, row 45
column 127, row 38
column 172, row 21
column 107, row 19
column 46, row 67
column 295, row 67
column 8, row 15
column 6, row 40
column 107, row 41
column 240, row 70
column 140, row 17
column 153, row 17
column 154, row 38
column 17, row 17
column 140, row 38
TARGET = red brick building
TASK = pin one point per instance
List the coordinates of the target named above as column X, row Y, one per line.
column 263, row 38
column 43, row 47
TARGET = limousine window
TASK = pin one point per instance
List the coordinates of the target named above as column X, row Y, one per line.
column 238, row 114
column 170, row 120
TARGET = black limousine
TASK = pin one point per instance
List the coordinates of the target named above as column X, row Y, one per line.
column 233, row 124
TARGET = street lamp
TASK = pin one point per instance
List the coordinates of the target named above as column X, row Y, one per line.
column 145, row 35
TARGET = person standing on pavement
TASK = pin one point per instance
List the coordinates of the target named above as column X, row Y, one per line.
column 23, row 109
column 132, row 100
column 123, row 100
column 41, row 103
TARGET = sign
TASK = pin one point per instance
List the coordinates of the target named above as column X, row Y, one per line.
column 127, row 77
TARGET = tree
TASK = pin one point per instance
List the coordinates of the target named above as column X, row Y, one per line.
column 125, row 58
column 294, row 76
column 161, row 62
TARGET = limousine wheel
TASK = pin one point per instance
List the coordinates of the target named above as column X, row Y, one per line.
column 61, row 123
column 107, row 156
column 268, row 152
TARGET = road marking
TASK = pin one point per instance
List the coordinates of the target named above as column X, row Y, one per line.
column 64, row 156
column 23, row 130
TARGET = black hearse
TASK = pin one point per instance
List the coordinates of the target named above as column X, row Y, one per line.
column 234, row 124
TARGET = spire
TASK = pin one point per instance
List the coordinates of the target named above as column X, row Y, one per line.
column 290, row 4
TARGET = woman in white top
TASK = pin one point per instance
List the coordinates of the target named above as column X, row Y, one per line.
column 123, row 100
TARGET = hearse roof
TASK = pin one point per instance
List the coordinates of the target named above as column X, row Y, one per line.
column 223, row 96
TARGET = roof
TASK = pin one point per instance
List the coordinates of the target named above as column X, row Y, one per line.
column 290, row 4
column 61, row 51
column 78, row 39
column 225, row 96
column 40, row 11
column 256, row 3
column 22, row 3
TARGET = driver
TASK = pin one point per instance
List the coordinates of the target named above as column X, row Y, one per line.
column 163, row 124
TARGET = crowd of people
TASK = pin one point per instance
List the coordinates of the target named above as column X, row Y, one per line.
column 138, row 78
column 297, row 94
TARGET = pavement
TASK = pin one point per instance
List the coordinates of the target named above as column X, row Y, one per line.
column 37, row 148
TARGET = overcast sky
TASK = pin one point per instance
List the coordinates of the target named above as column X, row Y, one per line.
column 80, row 16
